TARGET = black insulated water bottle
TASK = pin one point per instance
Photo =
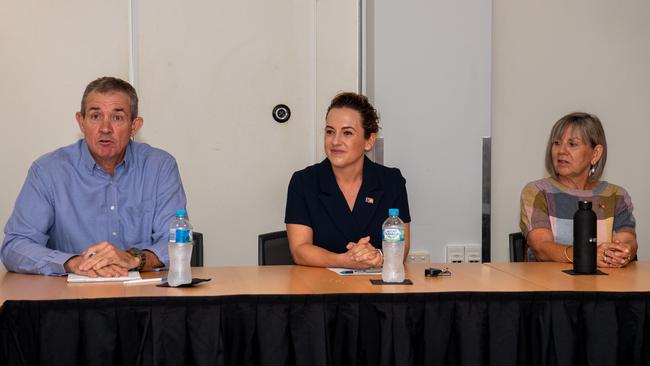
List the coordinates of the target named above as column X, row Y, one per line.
column 584, row 239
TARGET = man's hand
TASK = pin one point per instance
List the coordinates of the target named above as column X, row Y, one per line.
column 72, row 266
column 107, row 258
column 112, row 270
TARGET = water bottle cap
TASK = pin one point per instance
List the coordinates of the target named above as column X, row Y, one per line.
column 393, row 212
column 584, row 205
column 181, row 213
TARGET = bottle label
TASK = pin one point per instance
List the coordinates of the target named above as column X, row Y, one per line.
column 392, row 234
column 172, row 235
column 183, row 236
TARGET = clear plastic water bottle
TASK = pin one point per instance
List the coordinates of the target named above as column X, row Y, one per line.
column 180, row 250
column 392, row 242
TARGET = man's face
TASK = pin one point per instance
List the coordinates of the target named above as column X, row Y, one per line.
column 107, row 127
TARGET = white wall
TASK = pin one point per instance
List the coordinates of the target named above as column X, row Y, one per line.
column 337, row 59
column 430, row 67
column 549, row 58
column 209, row 81
column 554, row 57
column 51, row 51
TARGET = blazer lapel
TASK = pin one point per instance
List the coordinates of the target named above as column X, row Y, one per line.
column 369, row 196
column 332, row 199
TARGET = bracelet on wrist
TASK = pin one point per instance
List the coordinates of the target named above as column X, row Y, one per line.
column 566, row 254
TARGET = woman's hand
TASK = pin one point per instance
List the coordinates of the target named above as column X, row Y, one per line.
column 615, row 254
column 364, row 254
column 360, row 255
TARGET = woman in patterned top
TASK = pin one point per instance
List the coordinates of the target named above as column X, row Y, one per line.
column 575, row 159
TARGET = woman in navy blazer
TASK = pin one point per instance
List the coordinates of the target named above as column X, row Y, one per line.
column 335, row 209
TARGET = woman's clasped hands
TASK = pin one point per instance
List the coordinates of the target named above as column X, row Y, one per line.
column 615, row 254
column 364, row 254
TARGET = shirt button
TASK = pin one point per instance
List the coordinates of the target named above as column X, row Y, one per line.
column 112, row 208
column 114, row 233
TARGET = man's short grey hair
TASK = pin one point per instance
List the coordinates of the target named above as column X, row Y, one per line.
column 108, row 84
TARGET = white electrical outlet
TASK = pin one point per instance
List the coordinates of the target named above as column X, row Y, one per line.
column 455, row 253
column 472, row 253
column 418, row 256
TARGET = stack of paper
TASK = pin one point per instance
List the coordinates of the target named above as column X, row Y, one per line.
column 75, row 278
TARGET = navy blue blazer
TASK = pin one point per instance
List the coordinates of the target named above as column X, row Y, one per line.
column 315, row 200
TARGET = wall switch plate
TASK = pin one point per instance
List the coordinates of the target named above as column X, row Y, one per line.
column 455, row 253
column 472, row 253
column 418, row 256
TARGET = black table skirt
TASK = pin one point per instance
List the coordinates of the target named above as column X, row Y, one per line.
column 540, row 328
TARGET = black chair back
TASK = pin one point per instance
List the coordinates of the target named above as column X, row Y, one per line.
column 197, row 250
column 518, row 247
column 273, row 249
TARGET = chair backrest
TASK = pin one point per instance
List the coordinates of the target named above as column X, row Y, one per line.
column 518, row 247
column 273, row 249
column 197, row 250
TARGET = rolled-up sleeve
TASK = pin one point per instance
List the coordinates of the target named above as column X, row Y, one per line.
column 24, row 246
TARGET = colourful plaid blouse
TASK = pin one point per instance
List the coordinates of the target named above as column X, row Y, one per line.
column 546, row 203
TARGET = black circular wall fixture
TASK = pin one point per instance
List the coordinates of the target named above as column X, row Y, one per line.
column 281, row 113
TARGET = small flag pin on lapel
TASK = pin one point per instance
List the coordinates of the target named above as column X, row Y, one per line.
column 370, row 200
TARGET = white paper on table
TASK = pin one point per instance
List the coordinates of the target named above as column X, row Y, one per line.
column 75, row 278
column 355, row 272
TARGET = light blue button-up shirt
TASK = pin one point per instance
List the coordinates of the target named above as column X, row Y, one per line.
column 68, row 203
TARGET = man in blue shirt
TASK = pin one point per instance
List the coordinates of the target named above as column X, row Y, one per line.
column 101, row 206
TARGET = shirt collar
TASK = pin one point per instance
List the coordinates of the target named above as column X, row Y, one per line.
column 90, row 164
column 598, row 189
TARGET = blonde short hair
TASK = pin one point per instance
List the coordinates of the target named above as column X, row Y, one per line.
column 590, row 130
